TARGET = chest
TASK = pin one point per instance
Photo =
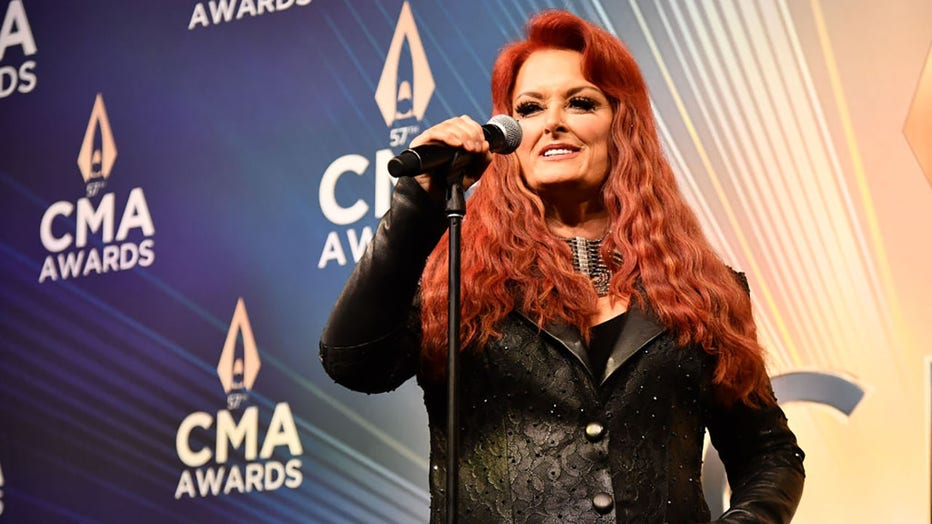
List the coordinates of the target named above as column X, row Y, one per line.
column 529, row 372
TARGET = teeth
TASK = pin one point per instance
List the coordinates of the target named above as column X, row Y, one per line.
column 554, row 152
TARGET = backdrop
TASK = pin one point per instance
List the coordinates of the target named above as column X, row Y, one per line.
column 185, row 186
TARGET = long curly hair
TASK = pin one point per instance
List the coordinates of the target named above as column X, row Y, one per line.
column 511, row 261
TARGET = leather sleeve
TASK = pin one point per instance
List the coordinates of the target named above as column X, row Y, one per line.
column 763, row 463
column 371, row 340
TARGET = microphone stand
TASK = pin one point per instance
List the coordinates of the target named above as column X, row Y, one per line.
column 456, row 210
column 504, row 135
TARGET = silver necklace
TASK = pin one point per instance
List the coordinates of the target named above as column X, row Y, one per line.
column 587, row 260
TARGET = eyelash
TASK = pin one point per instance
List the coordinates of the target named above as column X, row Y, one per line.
column 581, row 103
column 584, row 103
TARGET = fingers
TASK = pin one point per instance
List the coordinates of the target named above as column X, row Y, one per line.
column 461, row 132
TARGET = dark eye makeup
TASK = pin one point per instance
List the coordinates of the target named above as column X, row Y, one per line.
column 577, row 103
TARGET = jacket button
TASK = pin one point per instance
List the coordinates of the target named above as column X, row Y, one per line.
column 595, row 431
column 603, row 503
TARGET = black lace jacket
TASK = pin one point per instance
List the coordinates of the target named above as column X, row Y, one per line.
column 543, row 440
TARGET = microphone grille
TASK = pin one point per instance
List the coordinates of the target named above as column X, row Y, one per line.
column 511, row 133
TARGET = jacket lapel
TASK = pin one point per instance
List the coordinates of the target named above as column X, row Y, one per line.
column 568, row 337
column 639, row 329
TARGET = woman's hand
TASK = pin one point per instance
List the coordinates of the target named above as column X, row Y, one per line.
column 460, row 132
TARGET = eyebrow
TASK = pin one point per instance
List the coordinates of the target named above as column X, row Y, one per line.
column 569, row 92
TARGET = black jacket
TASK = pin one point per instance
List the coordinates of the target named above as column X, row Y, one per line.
column 542, row 439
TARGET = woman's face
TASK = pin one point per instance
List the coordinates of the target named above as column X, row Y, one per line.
column 566, row 123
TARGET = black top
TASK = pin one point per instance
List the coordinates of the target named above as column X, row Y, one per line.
column 602, row 339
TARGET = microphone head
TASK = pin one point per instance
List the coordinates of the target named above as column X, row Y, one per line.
column 503, row 134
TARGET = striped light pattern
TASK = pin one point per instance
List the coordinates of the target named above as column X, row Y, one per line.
column 754, row 119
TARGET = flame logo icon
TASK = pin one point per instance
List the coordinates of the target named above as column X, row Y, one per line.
column 398, row 95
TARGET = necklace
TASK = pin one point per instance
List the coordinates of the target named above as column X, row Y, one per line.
column 588, row 260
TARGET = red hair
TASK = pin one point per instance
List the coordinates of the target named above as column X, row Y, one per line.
column 511, row 260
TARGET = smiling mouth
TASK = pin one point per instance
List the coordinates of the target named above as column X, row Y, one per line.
column 558, row 151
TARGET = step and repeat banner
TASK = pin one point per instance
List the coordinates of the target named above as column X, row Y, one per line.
column 185, row 186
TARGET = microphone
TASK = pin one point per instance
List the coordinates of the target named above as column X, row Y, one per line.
column 501, row 132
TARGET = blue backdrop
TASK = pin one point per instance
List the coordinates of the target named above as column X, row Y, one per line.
column 184, row 188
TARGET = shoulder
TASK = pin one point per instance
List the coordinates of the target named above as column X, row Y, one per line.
column 741, row 277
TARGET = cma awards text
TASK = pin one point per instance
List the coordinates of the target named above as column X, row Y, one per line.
column 334, row 250
column 114, row 252
column 213, row 475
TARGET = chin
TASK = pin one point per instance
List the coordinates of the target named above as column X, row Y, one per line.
column 564, row 184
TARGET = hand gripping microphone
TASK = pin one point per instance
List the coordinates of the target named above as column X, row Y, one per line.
column 501, row 132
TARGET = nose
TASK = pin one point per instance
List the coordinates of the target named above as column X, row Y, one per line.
column 555, row 121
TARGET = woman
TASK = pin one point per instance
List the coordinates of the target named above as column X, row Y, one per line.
column 602, row 336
